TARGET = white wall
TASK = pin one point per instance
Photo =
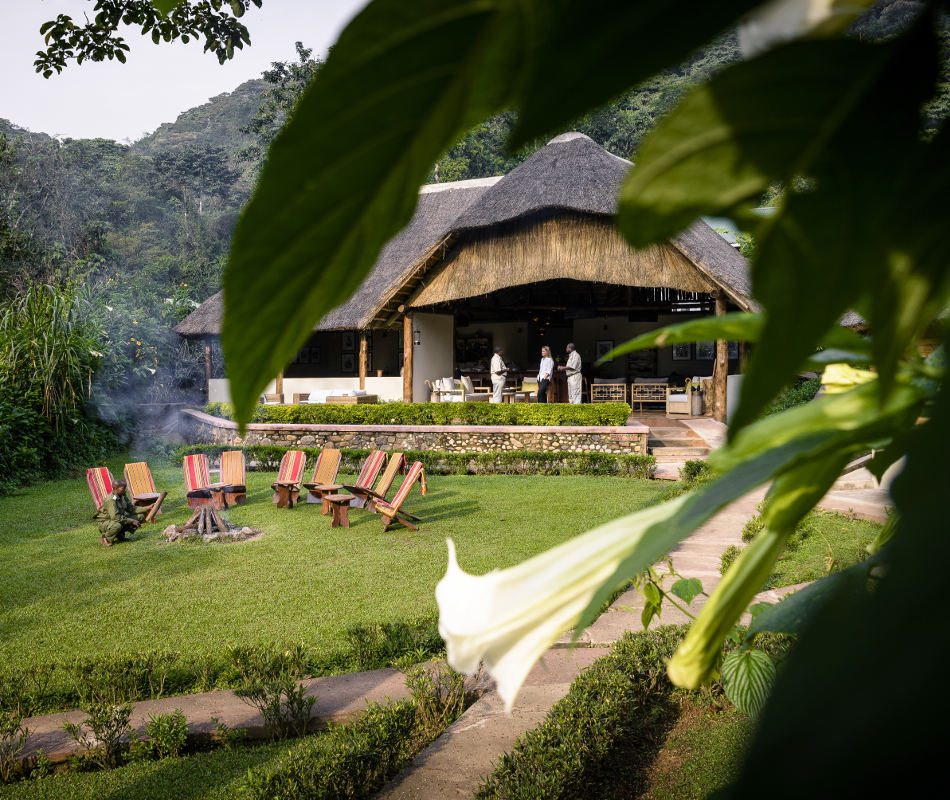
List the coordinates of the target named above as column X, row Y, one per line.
column 386, row 388
column 434, row 357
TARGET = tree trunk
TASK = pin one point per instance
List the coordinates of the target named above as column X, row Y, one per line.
column 720, row 367
column 407, row 358
column 364, row 358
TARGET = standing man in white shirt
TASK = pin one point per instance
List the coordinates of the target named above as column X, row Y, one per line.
column 573, row 369
column 545, row 374
column 499, row 374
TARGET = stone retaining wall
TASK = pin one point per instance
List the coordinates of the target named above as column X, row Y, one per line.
column 200, row 428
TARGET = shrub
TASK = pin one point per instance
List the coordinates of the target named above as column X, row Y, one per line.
column 398, row 413
column 729, row 555
column 753, row 527
column 108, row 724
column 438, row 693
column 168, row 732
column 12, row 738
column 696, row 473
column 349, row 761
column 801, row 392
column 507, row 462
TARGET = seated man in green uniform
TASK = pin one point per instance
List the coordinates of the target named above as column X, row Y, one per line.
column 117, row 516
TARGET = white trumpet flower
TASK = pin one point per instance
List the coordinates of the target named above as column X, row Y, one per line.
column 508, row 618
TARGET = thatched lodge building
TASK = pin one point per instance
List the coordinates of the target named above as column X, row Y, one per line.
column 524, row 260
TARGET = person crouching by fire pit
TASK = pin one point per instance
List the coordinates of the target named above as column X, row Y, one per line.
column 117, row 516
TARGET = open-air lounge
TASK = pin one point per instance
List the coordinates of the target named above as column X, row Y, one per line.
column 519, row 261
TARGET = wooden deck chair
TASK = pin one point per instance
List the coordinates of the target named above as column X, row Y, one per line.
column 234, row 474
column 396, row 462
column 368, row 474
column 197, row 480
column 391, row 510
column 141, row 487
column 324, row 475
column 291, row 471
column 100, row 484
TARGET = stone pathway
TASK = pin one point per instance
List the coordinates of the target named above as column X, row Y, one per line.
column 456, row 763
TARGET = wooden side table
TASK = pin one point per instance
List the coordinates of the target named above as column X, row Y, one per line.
column 319, row 491
column 285, row 497
column 340, row 503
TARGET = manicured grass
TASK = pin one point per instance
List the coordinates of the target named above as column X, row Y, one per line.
column 63, row 595
column 216, row 775
column 823, row 542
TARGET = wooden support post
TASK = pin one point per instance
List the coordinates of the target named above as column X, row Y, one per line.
column 720, row 367
column 279, row 384
column 364, row 358
column 407, row 358
column 207, row 372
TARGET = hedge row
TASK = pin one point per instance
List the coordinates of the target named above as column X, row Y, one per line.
column 436, row 414
column 266, row 458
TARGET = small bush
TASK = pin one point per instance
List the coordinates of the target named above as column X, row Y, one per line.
column 108, row 725
column 508, row 462
column 696, row 473
column 269, row 682
column 729, row 555
column 351, row 761
column 397, row 413
column 168, row 733
column 797, row 394
column 12, row 738
column 753, row 527
column 438, row 693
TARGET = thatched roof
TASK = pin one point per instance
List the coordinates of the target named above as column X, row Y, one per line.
column 572, row 174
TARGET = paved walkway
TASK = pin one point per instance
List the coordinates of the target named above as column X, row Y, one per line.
column 456, row 763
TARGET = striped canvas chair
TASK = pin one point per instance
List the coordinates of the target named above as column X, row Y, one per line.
column 291, row 471
column 234, row 473
column 391, row 510
column 141, row 487
column 197, row 480
column 396, row 462
column 324, row 475
column 368, row 474
column 100, row 484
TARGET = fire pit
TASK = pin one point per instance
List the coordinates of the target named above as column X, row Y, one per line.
column 211, row 525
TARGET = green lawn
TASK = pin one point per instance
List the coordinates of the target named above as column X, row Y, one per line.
column 64, row 595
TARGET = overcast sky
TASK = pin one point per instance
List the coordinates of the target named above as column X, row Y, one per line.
column 126, row 101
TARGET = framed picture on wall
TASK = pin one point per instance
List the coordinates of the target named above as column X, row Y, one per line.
column 348, row 341
column 682, row 352
column 705, row 351
column 602, row 347
column 733, row 351
column 347, row 363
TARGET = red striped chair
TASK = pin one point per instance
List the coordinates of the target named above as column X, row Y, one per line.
column 368, row 474
column 100, row 484
column 141, row 487
column 324, row 475
column 291, row 471
column 197, row 480
column 391, row 510
column 234, row 474
column 396, row 463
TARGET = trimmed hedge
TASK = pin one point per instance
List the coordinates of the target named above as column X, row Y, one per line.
column 436, row 414
column 501, row 462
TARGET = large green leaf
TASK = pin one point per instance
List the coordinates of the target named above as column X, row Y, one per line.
column 342, row 178
column 747, row 677
column 861, row 700
column 167, row 6
column 622, row 42
column 756, row 122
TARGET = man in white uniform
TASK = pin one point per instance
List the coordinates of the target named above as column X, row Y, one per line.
column 499, row 374
column 573, row 368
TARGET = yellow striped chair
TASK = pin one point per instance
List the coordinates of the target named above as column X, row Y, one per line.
column 391, row 511
column 197, row 480
column 141, row 487
column 369, row 496
column 99, row 480
column 234, row 473
column 324, row 475
column 291, row 471
column 368, row 474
